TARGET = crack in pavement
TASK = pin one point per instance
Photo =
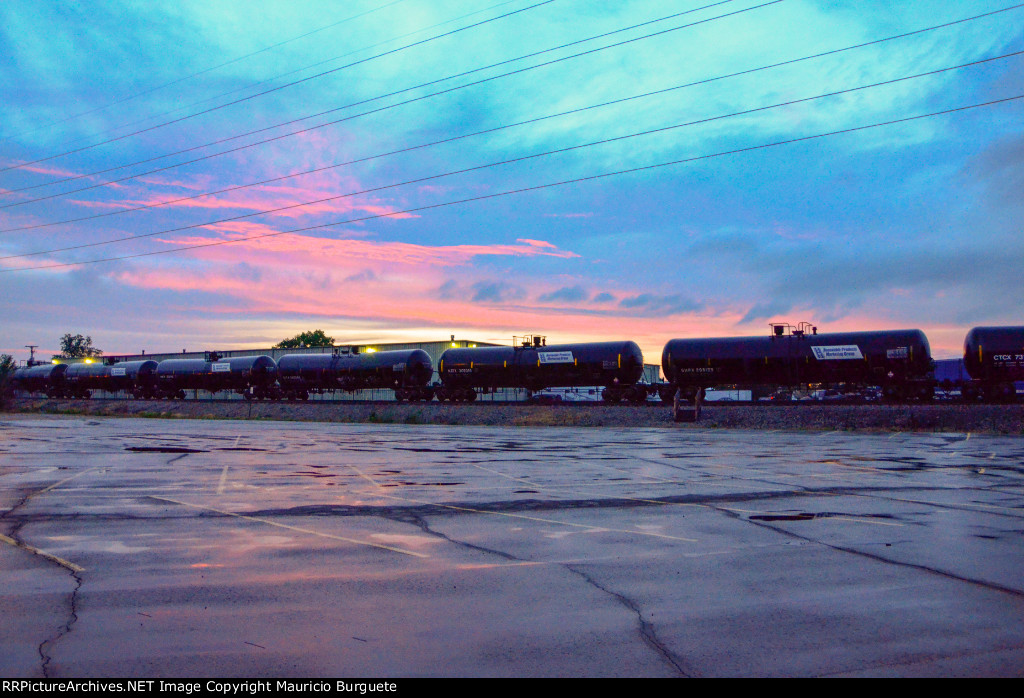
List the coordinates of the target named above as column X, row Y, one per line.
column 72, row 618
column 72, row 602
column 992, row 586
column 74, row 570
column 645, row 629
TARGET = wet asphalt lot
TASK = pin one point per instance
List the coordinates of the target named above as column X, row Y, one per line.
column 148, row 547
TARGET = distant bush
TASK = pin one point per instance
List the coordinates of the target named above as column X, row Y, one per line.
column 76, row 347
column 311, row 338
column 6, row 368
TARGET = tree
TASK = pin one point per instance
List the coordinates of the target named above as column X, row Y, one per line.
column 76, row 347
column 313, row 338
column 6, row 368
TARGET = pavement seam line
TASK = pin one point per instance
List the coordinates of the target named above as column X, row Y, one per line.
column 292, row 528
column 596, row 529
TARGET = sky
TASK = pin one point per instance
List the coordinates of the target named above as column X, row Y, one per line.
column 197, row 175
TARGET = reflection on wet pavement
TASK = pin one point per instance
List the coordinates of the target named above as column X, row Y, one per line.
column 136, row 547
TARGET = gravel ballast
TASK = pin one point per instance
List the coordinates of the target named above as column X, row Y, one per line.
column 947, row 417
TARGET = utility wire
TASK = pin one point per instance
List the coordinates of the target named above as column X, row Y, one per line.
column 380, row 109
column 499, row 128
column 523, row 158
column 202, row 72
column 527, row 189
column 281, row 87
column 298, row 70
column 355, row 104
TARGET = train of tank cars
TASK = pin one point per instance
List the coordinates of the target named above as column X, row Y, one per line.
column 898, row 362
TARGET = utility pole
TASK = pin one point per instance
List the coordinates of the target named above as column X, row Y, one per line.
column 31, row 354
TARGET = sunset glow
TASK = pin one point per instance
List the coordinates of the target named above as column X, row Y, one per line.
column 400, row 226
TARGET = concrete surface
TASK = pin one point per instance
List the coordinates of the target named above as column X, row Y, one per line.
column 143, row 547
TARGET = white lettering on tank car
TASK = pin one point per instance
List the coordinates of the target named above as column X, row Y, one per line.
column 221, row 368
column 117, row 371
column 839, row 351
column 897, row 353
column 555, row 357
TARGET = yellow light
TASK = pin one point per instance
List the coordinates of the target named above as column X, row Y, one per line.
column 54, row 361
column 473, row 346
column 88, row 361
column 370, row 350
column 454, row 344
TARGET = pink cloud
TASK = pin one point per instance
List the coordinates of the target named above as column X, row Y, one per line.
column 401, row 292
column 535, row 243
column 292, row 197
column 56, row 172
column 314, row 252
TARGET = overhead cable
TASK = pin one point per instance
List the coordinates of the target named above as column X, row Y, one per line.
column 534, row 156
column 157, row 88
column 505, row 126
column 280, row 87
column 354, row 104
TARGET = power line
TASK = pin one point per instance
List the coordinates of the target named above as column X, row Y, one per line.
column 279, row 87
column 204, row 71
column 534, row 156
column 384, row 108
column 299, row 70
column 364, row 101
column 527, row 189
column 512, row 125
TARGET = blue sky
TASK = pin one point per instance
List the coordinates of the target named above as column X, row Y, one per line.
column 915, row 224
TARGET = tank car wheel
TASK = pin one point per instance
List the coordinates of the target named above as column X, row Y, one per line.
column 610, row 396
column 470, row 395
column 1000, row 392
column 401, row 395
column 892, row 393
column 180, row 395
column 304, row 395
